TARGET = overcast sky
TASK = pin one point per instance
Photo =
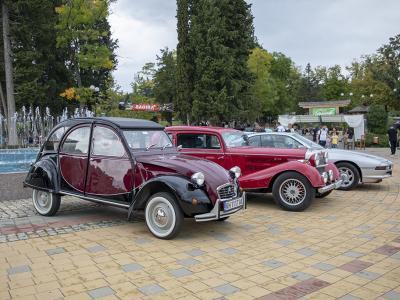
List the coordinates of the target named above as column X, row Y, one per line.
column 322, row 32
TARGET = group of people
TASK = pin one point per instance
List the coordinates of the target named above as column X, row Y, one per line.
column 321, row 135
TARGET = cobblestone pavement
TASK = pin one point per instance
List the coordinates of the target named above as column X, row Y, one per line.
column 345, row 246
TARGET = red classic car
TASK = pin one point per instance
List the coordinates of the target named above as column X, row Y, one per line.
column 131, row 164
column 294, row 176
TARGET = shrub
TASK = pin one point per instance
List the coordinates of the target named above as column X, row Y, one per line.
column 377, row 119
column 383, row 140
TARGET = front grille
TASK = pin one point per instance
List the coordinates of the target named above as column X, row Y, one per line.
column 226, row 191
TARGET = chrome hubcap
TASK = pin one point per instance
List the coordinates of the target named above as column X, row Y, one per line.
column 292, row 191
column 160, row 217
column 347, row 176
column 42, row 201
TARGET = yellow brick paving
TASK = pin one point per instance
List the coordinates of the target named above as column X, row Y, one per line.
column 237, row 253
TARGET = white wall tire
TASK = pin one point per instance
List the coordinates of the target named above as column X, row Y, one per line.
column 164, row 217
column 45, row 203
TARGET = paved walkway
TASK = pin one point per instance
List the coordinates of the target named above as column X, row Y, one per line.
column 346, row 246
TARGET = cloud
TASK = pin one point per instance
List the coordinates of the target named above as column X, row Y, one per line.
column 322, row 32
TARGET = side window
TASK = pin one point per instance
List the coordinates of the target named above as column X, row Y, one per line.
column 255, row 141
column 198, row 141
column 189, row 140
column 77, row 141
column 286, row 142
column 212, row 142
column 106, row 142
column 54, row 140
column 267, row 141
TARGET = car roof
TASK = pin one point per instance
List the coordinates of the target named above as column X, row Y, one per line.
column 123, row 123
column 270, row 133
column 199, row 128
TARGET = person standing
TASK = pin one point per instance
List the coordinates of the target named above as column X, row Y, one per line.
column 392, row 133
column 335, row 139
column 322, row 136
column 280, row 128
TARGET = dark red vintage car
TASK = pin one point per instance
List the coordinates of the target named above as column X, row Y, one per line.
column 294, row 176
column 131, row 164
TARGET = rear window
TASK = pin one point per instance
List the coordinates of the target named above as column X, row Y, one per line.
column 54, row 139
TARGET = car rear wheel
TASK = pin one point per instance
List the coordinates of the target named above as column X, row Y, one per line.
column 292, row 191
column 323, row 195
column 46, row 203
column 164, row 217
column 349, row 175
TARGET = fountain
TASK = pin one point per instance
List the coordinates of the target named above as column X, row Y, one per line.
column 32, row 129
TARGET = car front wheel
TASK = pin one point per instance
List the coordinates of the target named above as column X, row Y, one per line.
column 46, row 203
column 164, row 217
column 292, row 191
column 349, row 175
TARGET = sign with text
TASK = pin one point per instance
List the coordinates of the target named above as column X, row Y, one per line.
column 145, row 107
column 323, row 111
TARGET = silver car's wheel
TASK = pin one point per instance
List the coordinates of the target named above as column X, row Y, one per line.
column 163, row 216
column 45, row 203
column 292, row 192
column 349, row 175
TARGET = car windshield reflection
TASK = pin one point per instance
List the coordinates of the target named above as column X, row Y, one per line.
column 147, row 139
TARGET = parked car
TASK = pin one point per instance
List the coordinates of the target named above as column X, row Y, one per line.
column 355, row 167
column 131, row 164
column 294, row 176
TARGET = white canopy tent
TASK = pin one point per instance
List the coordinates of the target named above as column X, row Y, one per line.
column 354, row 121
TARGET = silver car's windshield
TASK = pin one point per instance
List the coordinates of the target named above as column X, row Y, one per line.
column 234, row 139
column 147, row 139
column 306, row 141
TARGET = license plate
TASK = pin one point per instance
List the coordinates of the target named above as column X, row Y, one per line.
column 234, row 203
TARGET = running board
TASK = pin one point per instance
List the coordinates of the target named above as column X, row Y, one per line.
column 109, row 202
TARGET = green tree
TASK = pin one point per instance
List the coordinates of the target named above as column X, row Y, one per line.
column 223, row 34
column 83, row 30
column 334, row 85
column 377, row 119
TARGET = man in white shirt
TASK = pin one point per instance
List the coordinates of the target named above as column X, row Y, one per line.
column 322, row 136
column 280, row 128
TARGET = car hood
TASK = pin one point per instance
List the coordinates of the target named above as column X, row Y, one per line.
column 184, row 165
column 350, row 155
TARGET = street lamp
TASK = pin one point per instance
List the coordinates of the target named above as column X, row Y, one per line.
column 351, row 94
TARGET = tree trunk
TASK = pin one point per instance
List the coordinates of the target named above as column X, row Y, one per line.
column 3, row 101
column 12, row 130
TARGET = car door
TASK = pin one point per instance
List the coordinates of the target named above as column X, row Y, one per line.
column 204, row 145
column 73, row 159
column 110, row 169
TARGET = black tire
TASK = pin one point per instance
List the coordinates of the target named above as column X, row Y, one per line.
column 282, row 191
column 167, row 210
column 46, row 203
column 323, row 195
column 352, row 174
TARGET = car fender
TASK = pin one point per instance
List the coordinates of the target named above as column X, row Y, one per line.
column 43, row 175
column 192, row 200
column 264, row 178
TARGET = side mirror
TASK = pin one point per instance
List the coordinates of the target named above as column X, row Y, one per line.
column 179, row 148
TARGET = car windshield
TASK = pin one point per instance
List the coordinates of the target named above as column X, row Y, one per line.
column 307, row 142
column 234, row 139
column 146, row 139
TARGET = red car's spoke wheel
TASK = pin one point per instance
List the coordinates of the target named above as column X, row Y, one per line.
column 292, row 191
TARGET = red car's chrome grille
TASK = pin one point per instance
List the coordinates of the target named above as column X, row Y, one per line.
column 226, row 191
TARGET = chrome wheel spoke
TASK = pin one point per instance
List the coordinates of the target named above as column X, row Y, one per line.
column 292, row 191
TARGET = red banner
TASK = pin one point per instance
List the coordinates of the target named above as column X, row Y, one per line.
column 145, row 107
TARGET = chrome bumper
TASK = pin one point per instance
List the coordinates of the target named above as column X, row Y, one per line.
column 217, row 213
column 333, row 186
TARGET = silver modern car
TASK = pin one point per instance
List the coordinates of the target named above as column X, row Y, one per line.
column 355, row 167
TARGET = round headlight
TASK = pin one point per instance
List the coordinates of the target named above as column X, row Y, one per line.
column 198, row 178
column 236, row 170
column 325, row 177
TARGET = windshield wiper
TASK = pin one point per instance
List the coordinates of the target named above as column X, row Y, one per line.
column 166, row 145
